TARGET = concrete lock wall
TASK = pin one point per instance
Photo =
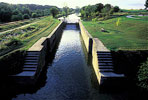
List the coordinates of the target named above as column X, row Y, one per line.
column 91, row 48
column 46, row 45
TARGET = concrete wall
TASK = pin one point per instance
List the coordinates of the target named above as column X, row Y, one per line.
column 91, row 48
column 45, row 45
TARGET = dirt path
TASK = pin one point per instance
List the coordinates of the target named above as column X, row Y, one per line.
column 18, row 27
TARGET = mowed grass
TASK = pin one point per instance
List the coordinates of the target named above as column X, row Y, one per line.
column 24, row 38
column 130, row 34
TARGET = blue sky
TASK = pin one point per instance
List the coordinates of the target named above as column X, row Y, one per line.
column 125, row 4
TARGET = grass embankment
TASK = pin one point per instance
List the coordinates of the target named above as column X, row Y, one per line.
column 14, row 44
column 25, row 37
column 130, row 34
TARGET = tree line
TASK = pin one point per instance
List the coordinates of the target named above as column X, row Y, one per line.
column 13, row 12
column 98, row 11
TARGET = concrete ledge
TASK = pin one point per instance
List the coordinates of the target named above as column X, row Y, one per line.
column 100, row 46
column 38, row 45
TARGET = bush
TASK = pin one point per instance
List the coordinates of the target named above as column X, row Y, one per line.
column 14, row 42
column 16, row 17
column 94, row 19
column 34, row 15
column 26, row 16
column 143, row 75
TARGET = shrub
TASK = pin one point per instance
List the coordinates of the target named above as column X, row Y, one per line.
column 26, row 16
column 34, row 15
column 143, row 75
column 14, row 42
column 94, row 19
column 16, row 17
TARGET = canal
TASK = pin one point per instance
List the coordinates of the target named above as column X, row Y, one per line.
column 67, row 76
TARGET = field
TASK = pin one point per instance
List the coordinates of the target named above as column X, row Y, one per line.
column 25, row 37
column 121, row 33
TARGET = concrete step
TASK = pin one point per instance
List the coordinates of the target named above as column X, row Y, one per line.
column 104, row 56
column 105, row 67
column 32, row 58
column 29, row 66
column 31, row 55
column 29, row 69
column 33, row 52
column 111, row 75
column 30, row 63
column 26, row 60
column 106, row 70
column 105, row 64
column 105, row 61
column 103, row 53
column 26, row 74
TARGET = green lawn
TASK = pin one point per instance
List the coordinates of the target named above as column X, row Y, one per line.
column 24, row 38
column 130, row 34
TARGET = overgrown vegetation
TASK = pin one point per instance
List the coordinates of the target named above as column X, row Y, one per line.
column 14, row 44
column 12, row 25
column 143, row 75
column 27, row 36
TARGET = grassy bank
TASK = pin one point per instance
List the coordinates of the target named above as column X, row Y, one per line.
column 129, row 34
column 25, row 37
column 14, row 44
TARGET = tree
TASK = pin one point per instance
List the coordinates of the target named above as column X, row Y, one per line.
column 77, row 9
column 146, row 4
column 5, row 12
column 17, row 17
column 99, row 6
column 26, row 16
column 116, row 9
column 54, row 11
column 34, row 15
column 66, row 10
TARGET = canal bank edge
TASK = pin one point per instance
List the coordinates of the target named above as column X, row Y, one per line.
column 97, row 49
column 36, row 56
column 91, row 48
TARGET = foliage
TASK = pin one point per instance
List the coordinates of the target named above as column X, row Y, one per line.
column 15, row 12
column 16, row 17
column 143, row 75
column 66, row 11
column 146, row 4
column 25, row 37
column 116, row 9
column 26, row 16
column 54, row 11
column 14, row 42
column 99, row 10
column 34, row 15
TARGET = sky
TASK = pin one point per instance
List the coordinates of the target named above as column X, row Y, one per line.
column 124, row 4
